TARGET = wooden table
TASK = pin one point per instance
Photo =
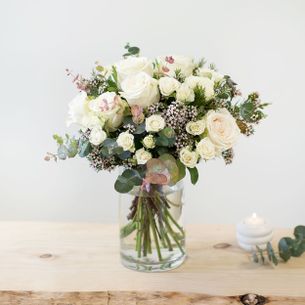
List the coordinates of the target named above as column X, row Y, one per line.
column 82, row 257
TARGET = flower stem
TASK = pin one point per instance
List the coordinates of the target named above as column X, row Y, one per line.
column 153, row 228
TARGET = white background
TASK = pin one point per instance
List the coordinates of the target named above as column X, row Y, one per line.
column 261, row 44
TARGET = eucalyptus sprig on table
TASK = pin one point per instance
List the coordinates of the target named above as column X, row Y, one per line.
column 287, row 247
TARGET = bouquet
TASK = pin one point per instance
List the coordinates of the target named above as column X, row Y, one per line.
column 156, row 119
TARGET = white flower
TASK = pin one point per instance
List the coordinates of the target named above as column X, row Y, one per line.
column 110, row 108
column 203, row 82
column 188, row 158
column 80, row 114
column 154, row 123
column 185, row 94
column 222, row 128
column 195, row 128
column 97, row 136
column 182, row 63
column 133, row 65
column 149, row 141
column 140, row 89
column 142, row 156
column 125, row 140
column 211, row 74
column 168, row 85
column 206, row 149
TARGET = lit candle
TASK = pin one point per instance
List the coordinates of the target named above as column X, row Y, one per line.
column 253, row 231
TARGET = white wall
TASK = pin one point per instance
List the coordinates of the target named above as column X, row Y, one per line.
column 259, row 43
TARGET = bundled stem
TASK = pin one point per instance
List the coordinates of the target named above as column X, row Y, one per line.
column 152, row 221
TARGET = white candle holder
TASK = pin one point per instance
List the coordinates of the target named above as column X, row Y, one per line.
column 253, row 231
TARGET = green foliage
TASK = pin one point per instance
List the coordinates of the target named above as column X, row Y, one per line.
column 58, row 139
column 182, row 171
column 110, row 147
column 131, row 51
column 127, row 180
column 84, row 148
column 287, row 247
column 194, row 174
column 67, row 147
column 166, row 137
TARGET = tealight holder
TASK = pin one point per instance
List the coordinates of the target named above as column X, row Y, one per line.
column 252, row 232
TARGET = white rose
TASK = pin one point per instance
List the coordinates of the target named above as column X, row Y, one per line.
column 195, row 128
column 184, row 64
column 80, row 114
column 188, row 158
column 222, row 128
column 110, row 107
column 154, row 123
column 149, row 141
column 185, row 94
column 125, row 140
column 97, row 136
column 133, row 65
column 211, row 74
column 206, row 149
column 168, row 85
column 142, row 156
column 203, row 82
column 140, row 89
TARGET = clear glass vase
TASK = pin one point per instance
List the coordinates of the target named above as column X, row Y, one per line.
column 151, row 228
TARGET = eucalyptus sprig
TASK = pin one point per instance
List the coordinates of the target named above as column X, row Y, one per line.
column 287, row 247
column 131, row 50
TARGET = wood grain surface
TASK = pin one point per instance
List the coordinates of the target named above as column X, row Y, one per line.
column 137, row 298
column 84, row 257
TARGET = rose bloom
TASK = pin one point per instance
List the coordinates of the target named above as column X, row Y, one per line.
column 203, row 82
column 185, row 93
column 133, row 65
column 183, row 63
column 97, row 136
column 206, row 149
column 211, row 74
column 80, row 114
column 222, row 128
column 110, row 107
column 195, row 128
column 142, row 156
column 126, row 141
column 168, row 85
column 140, row 89
column 188, row 158
column 149, row 142
column 154, row 123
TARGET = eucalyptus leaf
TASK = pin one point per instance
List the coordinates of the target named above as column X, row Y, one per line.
column 140, row 129
column 84, row 149
column 62, row 152
column 271, row 255
column 182, row 171
column 72, row 148
column 123, row 185
column 132, row 176
column 284, row 248
column 299, row 232
column 124, row 155
column 194, row 174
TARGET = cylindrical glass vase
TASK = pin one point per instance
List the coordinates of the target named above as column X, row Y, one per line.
column 151, row 228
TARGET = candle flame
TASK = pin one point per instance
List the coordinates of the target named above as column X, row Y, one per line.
column 254, row 215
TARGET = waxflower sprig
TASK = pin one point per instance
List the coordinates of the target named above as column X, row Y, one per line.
column 156, row 118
